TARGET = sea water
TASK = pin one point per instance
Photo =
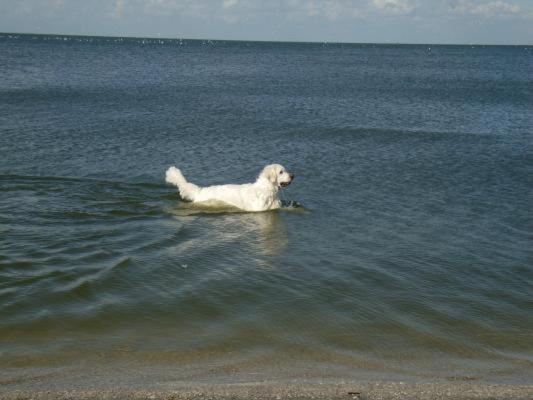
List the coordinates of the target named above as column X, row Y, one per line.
column 404, row 249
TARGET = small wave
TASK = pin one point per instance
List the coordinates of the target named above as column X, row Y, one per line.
column 85, row 286
column 80, row 200
column 16, row 265
column 79, row 214
column 15, row 177
column 293, row 206
column 123, row 263
column 47, row 178
column 184, row 209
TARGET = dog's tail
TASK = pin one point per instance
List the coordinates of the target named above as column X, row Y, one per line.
column 188, row 191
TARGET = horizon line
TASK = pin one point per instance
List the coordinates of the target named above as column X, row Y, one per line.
column 261, row 40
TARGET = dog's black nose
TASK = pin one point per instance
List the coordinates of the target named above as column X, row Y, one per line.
column 292, row 176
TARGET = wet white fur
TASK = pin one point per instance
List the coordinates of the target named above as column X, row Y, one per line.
column 261, row 195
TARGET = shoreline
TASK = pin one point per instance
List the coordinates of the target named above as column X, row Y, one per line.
column 86, row 378
column 292, row 390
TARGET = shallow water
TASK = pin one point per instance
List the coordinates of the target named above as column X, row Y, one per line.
column 404, row 247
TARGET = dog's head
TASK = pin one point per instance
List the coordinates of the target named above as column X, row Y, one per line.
column 276, row 175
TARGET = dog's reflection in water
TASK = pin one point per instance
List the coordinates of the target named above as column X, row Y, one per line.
column 233, row 233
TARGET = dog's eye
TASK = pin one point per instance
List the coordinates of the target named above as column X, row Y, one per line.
column 280, row 172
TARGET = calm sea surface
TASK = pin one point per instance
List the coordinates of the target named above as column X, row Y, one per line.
column 405, row 247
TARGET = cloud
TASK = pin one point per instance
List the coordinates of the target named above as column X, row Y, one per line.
column 328, row 9
column 173, row 7
column 229, row 3
column 118, row 8
column 490, row 9
column 393, row 6
column 228, row 10
column 443, row 21
column 28, row 7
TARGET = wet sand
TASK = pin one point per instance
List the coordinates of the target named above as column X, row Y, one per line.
column 107, row 379
column 110, row 382
column 303, row 390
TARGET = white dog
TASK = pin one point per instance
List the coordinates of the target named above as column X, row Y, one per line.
column 261, row 195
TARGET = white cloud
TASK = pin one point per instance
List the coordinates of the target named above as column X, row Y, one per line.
column 329, row 9
column 229, row 3
column 393, row 6
column 487, row 9
column 118, row 8
column 28, row 7
column 162, row 6
column 174, row 7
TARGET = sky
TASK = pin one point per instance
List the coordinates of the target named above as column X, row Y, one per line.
column 358, row 21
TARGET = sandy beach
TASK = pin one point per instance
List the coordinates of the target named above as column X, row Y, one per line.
column 136, row 381
column 302, row 390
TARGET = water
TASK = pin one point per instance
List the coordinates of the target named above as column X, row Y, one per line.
column 404, row 250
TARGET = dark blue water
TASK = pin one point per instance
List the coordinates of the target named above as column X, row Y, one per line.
column 405, row 249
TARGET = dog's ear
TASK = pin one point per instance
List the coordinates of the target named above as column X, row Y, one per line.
column 269, row 172
column 272, row 176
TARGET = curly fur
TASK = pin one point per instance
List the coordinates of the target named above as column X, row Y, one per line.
column 261, row 195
